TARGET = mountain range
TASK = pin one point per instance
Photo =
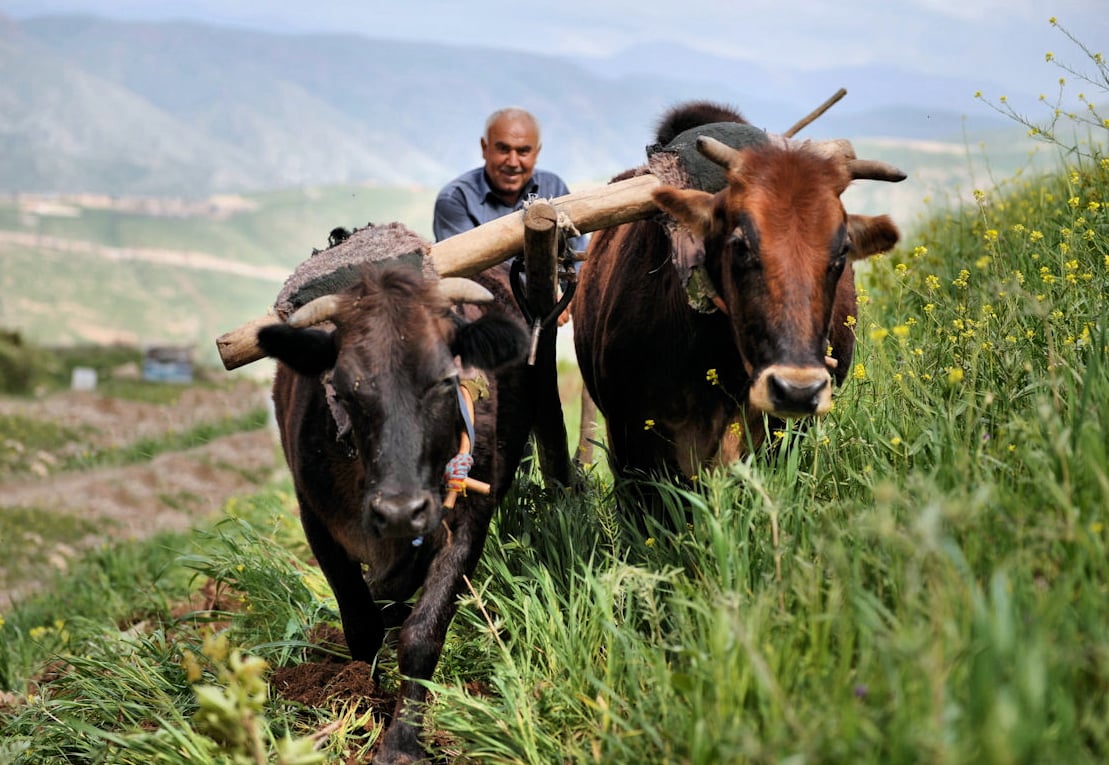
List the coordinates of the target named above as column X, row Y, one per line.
column 190, row 110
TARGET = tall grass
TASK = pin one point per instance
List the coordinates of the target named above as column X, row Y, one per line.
column 920, row 577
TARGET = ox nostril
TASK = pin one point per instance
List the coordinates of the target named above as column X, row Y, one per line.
column 402, row 514
column 794, row 396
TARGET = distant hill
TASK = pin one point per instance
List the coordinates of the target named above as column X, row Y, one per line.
column 91, row 105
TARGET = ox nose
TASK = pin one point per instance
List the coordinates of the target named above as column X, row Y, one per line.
column 797, row 391
column 402, row 515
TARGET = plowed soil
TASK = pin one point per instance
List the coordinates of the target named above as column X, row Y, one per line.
column 171, row 492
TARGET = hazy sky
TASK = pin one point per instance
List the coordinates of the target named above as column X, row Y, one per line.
column 995, row 40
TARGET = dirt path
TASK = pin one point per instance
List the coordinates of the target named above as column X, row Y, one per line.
column 171, row 492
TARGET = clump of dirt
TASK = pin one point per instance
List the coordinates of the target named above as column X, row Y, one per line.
column 319, row 684
column 328, row 679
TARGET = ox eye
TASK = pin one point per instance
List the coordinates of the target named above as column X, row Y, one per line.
column 739, row 247
column 442, row 386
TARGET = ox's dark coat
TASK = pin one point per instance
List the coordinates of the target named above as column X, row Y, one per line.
column 681, row 389
column 367, row 494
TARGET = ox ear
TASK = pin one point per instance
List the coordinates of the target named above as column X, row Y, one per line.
column 306, row 351
column 491, row 342
column 871, row 234
column 692, row 209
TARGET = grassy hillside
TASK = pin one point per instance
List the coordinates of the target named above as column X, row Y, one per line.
column 72, row 271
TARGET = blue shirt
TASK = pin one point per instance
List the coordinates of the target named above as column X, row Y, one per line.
column 469, row 200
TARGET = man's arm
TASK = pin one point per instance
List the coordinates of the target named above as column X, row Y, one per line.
column 451, row 216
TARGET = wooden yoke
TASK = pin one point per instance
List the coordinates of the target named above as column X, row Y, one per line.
column 487, row 245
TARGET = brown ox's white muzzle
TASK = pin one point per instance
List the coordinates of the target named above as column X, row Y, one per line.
column 788, row 391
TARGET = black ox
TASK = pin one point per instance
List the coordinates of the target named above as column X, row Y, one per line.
column 370, row 415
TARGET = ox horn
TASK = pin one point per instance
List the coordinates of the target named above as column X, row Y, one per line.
column 458, row 290
column 314, row 311
column 720, row 152
column 874, row 170
column 325, row 306
column 860, row 169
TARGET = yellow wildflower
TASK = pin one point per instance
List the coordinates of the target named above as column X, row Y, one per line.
column 648, row 424
column 191, row 666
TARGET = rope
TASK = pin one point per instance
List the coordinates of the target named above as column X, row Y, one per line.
column 458, row 469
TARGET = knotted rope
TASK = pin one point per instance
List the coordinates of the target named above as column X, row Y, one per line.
column 457, row 473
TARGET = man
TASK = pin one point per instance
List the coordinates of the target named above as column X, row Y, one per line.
column 510, row 148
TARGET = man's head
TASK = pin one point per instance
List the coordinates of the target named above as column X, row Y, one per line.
column 510, row 147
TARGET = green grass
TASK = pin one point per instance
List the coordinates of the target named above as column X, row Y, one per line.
column 34, row 551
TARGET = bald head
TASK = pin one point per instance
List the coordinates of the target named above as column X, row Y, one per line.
column 513, row 114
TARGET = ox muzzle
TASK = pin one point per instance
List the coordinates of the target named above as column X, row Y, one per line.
column 792, row 391
column 403, row 513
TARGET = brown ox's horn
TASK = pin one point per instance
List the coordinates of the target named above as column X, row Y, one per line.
column 720, row 152
column 314, row 311
column 874, row 170
column 458, row 290
column 860, row 169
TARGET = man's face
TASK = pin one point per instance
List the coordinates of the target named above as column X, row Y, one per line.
column 510, row 151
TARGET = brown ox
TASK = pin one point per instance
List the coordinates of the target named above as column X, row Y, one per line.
column 678, row 387
column 370, row 414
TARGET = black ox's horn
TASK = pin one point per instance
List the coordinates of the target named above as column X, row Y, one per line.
column 324, row 307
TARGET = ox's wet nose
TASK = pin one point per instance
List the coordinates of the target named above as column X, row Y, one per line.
column 793, row 391
column 403, row 514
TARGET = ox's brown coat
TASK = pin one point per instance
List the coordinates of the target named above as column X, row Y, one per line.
column 677, row 386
